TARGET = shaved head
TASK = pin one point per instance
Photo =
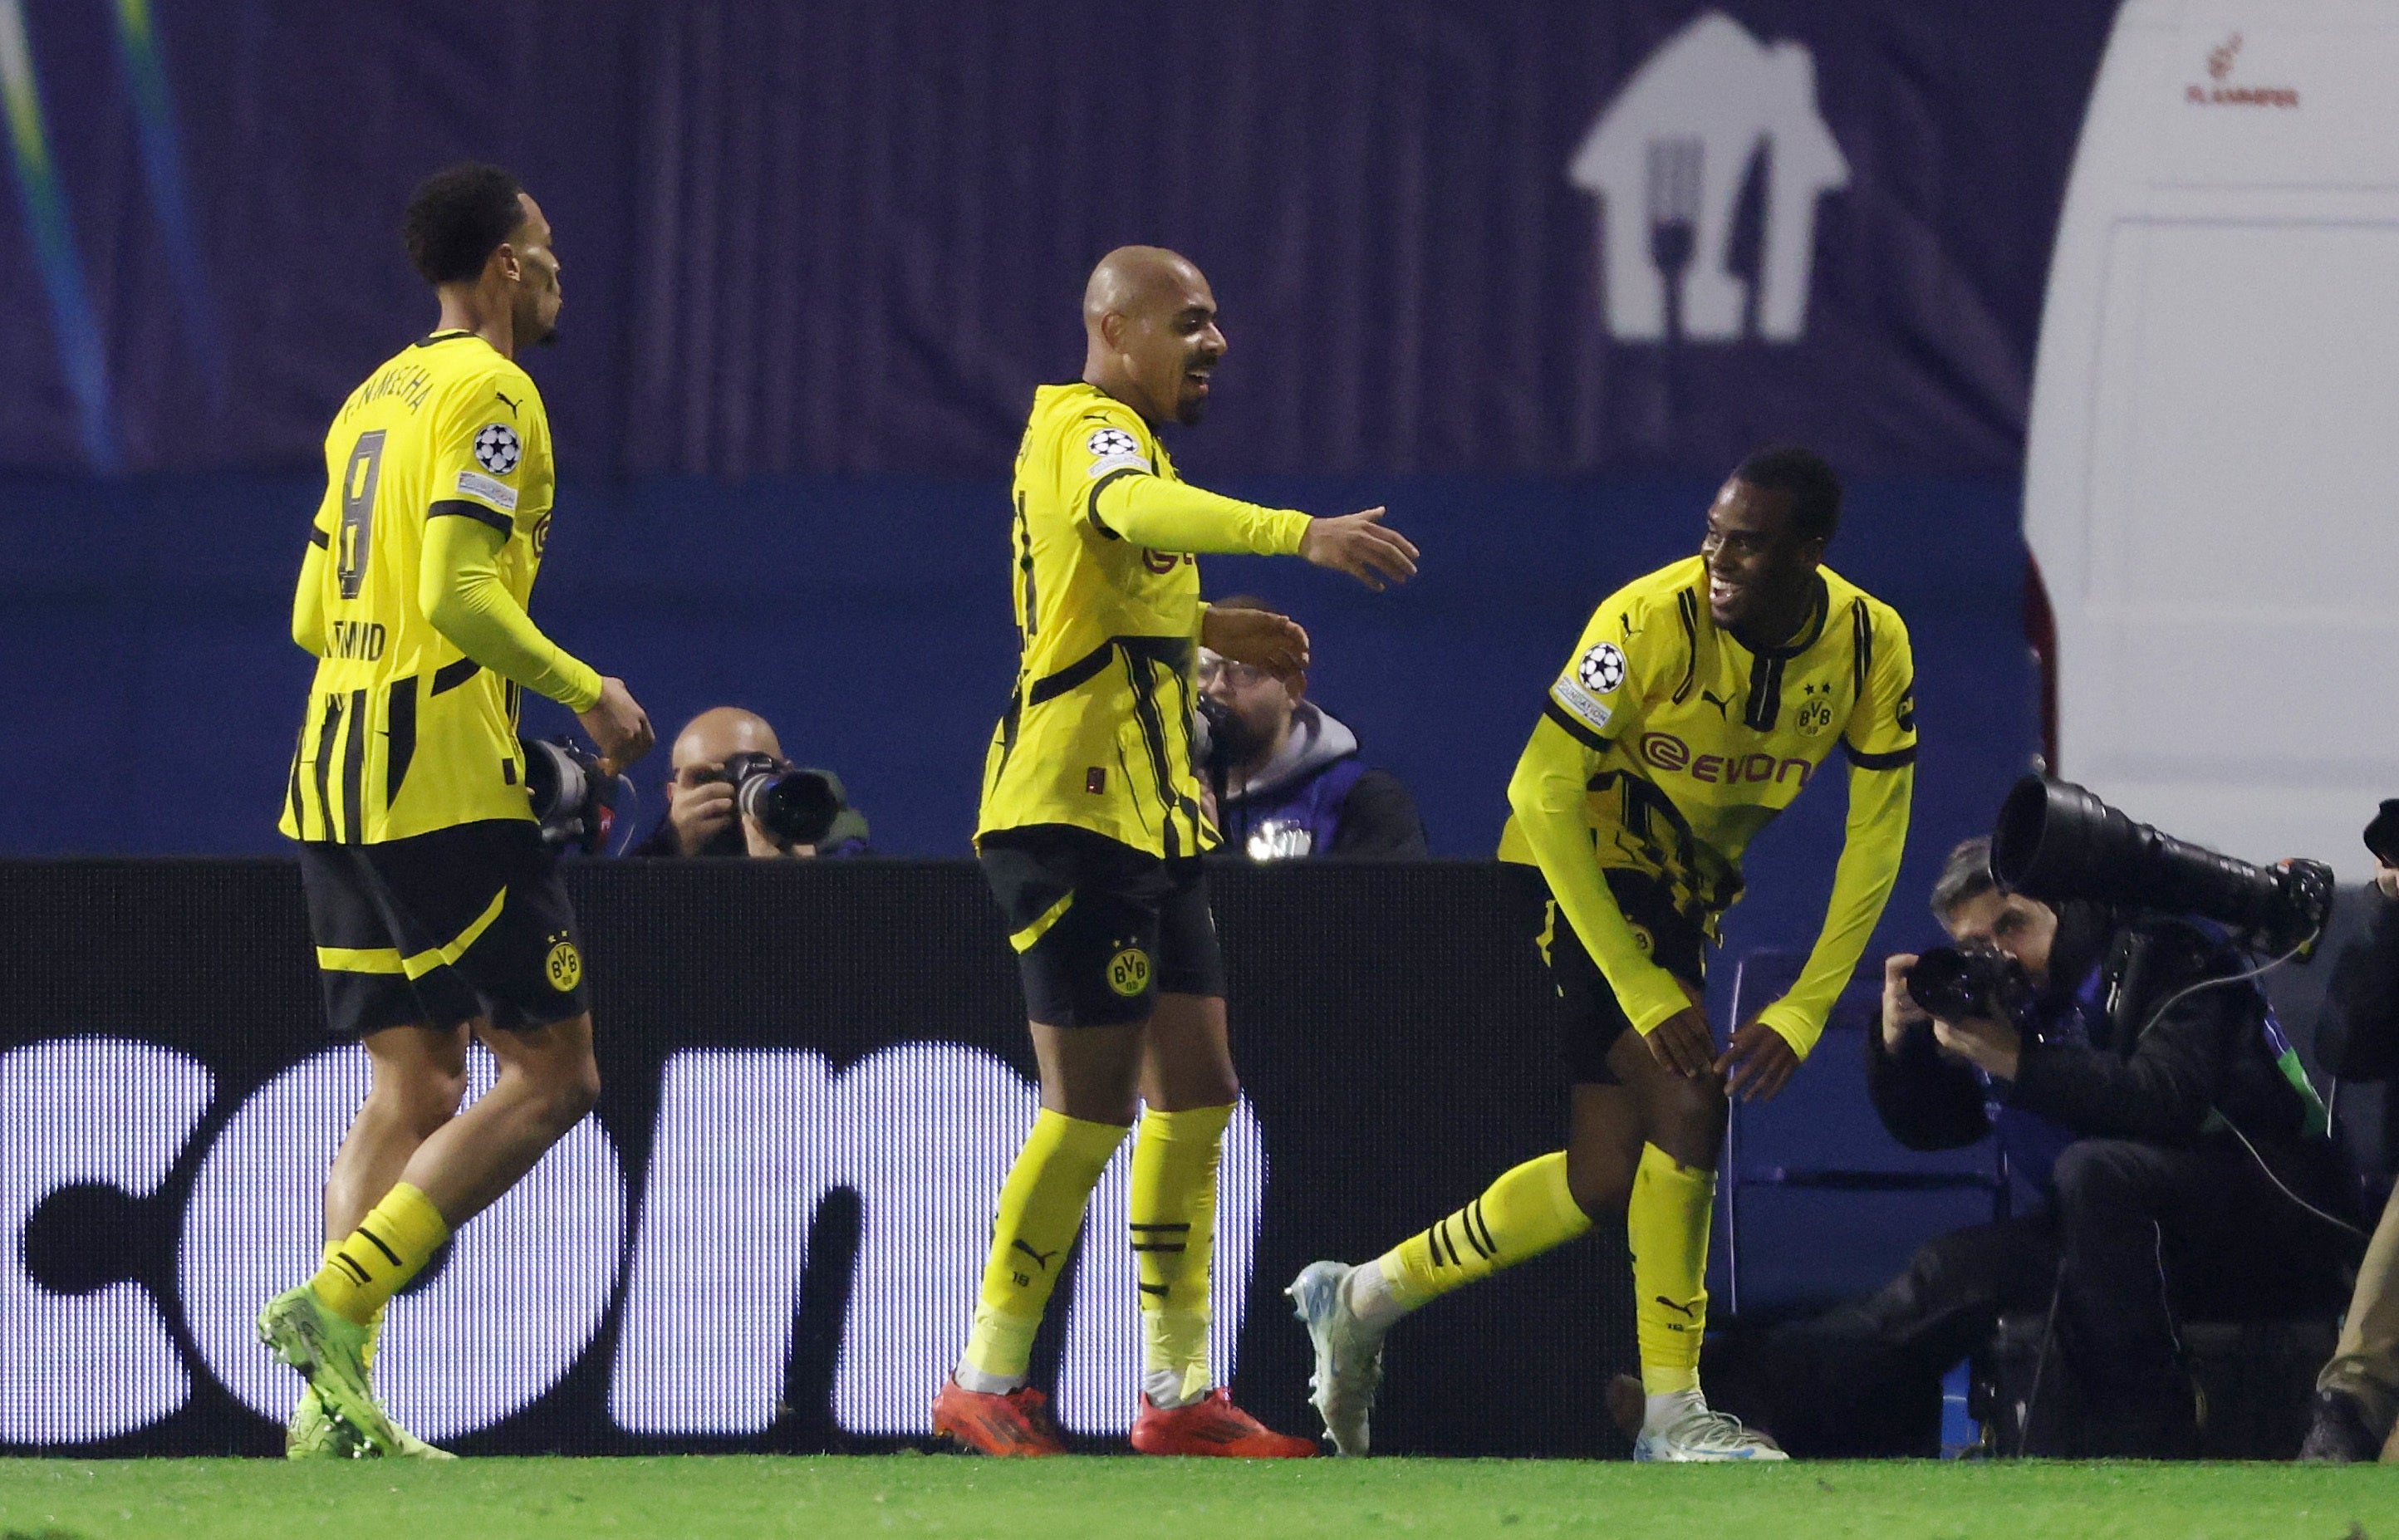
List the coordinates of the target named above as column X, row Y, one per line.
column 717, row 733
column 1137, row 279
column 1150, row 333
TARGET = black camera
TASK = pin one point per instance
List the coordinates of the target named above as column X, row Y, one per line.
column 1956, row 982
column 1212, row 730
column 791, row 804
column 575, row 805
column 2057, row 841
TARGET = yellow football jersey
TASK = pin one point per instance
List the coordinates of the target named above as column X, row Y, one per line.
column 1678, row 744
column 1098, row 729
column 403, row 732
column 1701, row 742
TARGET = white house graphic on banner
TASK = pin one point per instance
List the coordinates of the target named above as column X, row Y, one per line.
column 1668, row 160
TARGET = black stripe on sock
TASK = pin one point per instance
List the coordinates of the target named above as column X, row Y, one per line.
column 1466, row 1222
column 1440, row 1234
column 1160, row 1246
column 1185, row 1226
column 390, row 1254
column 358, row 1273
column 1157, row 1289
column 1474, row 1221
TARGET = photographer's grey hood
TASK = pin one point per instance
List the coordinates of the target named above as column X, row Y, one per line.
column 1318, row 739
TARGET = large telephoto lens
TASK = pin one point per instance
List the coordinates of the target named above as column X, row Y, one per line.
column 2056, row 841
column 798, row 805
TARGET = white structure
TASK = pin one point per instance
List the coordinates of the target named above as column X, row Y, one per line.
column 1674, row 148
column 2209, row 484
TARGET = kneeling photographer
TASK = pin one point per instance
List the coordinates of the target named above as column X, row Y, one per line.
column 2090, row 999
column 732, row 793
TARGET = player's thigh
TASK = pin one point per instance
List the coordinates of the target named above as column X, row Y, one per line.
column 1603, row 1148
column 1090, row 1073
column 1681, row 1115
column 1190, row 1062
column 485, row 924
column 1082, row 913
column 419, row 1067
column 555, row 1055
column 360, row 967
column 1187, row 1061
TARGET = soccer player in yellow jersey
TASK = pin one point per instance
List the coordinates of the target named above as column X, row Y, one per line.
column 1697, row 703
column 1090, row 833
column 436, row 908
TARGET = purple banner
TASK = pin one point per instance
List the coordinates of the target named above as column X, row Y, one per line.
column 1530, row 238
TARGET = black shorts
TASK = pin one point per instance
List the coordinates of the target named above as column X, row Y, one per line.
column 1101, row 929
column 1589, row 1019
column 440, row 928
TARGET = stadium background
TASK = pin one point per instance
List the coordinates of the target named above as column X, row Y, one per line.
column 815, row 257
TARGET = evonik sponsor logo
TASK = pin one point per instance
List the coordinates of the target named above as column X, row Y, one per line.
column 1667, row 753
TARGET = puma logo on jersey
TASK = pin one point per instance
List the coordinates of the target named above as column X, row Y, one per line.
column 506, row 402
column 1722, row 705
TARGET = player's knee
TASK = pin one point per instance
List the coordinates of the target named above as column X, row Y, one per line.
column 565, row 1092
column 1600, row 1183
column 424, row 1098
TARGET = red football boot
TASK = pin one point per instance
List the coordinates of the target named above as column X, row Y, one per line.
column 1213, row 1424
column 1014, row 1425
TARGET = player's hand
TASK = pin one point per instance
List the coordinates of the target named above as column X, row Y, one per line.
column 1682, row 1044
column 1900, row 1010
column 1359, row 545
column 1758, row 1064
column 1259, row 638
column 699, row 814
column 618, row 725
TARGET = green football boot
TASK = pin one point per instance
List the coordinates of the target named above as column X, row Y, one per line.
column 330, row 1352
column 314, row 1436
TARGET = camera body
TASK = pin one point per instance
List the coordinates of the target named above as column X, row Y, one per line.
column 793, row 804
column 1955, row 982
column 573, row 801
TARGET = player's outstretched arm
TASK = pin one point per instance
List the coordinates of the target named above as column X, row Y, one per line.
column 1359, row 545
column 1546, row 793
column 460, row 592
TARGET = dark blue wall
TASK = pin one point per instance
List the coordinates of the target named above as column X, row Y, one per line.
column 151, row 696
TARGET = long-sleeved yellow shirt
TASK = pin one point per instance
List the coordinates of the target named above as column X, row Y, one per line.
column 1097, row 732
column 1665, row 745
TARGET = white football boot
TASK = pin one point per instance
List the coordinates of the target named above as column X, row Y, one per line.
column 1348, row 1355
column 1697, row 1434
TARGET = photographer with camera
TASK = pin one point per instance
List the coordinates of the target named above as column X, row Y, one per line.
column 2191, row 1170
column 733, row 793
column 1281, row 775
column 2357, row 1038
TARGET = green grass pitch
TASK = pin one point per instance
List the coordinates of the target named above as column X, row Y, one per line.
column 823, row 1498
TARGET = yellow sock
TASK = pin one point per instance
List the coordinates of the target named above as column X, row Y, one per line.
column 374, row 1322
column 1173, row 1214
column 1667, row 1224
column 390, row 1246
column 1527, row 1211
column 1041, row 1209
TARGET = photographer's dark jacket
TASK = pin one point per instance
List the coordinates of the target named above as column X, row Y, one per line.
column 1315, row 798
column 2206, row 1053
column 2357, row 1036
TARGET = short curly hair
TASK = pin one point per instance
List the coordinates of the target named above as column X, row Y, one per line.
column 458, row 217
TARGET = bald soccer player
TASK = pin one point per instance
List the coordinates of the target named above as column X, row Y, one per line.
column 1090, row 833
